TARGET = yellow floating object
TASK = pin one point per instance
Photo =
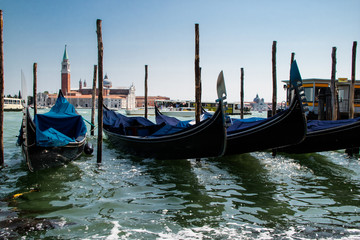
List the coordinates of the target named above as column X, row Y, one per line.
column 20, row 194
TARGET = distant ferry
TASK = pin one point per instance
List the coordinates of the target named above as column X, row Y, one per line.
column 13, row 104
column 187, row 108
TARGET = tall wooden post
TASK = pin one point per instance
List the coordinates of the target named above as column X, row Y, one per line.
column 274, row 78
column 242, row 93
column 93, row 103
column 35, row 87
column 197, row 76
column 100, row 99
column 146, row 91
column 2, row 81
column 352, row 89
column 332, row 85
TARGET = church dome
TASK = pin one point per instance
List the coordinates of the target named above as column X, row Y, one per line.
column 256, row 99
column 107, row 83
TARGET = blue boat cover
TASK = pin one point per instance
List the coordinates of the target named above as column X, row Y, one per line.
column 140, row 126
column 241, row 124
column 316, row 125
column 160, row 118
column 133, row 126
column 238, row 124
column 60, row 125
column 167, row 130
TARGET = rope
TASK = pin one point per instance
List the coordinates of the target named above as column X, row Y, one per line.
column 88, row 122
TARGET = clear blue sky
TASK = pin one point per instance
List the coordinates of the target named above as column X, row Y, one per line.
column 234, row 34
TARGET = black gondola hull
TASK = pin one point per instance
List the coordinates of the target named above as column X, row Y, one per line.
column 336, row 138
column 41, row 157
column 288, row 129
column 206, row 139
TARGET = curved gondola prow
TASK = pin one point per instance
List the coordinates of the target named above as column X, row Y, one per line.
column 28, row 128
column 296, row 85
column 106, row 108
column 61, row 94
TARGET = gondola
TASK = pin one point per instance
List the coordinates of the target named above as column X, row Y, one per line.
column 286, row 128
column 142, row 138
column 327, row 135
column 54, row 138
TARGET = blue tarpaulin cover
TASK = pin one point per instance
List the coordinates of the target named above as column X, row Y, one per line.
column 140, row 126
column 173, row 125
column 238, row 124
column 316, row 125
column 167, row 130
column 241, row 124
column 160, row 118
column 122, row 124
column 59, row 126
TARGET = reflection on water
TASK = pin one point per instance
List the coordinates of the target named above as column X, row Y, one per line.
column 246, row 196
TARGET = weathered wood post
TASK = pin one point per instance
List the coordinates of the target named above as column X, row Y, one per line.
column 93, row 103
column 328, row 107
column 35, row 87
column 2, row 81
column 352, row 89
column 146, row 91
column 332, row 86
column 274, row 78
column 100, row 87
column 242, row 93
column 351, row 151
column 273, row 112
column 197, row 76
column 322, row 100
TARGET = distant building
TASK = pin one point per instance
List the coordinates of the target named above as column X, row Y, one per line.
column 113, row 97
column 259, row 104
column 140, row 101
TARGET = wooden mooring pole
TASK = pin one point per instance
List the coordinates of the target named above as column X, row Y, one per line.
column 273, row 112
column 274, row 78
column 332, row 86
column 146, row 91
column 352, row 89
column 242, row 93
column 93, row 103
column 351, row 151
column 100, row 99
column 1, row 91
column 197, row 76
column 35, row 88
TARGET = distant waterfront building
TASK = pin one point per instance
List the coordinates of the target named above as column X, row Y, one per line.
column 115, row 98
column 259, row 104
column 140, row 100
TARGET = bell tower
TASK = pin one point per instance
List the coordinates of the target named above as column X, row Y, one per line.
column 65, row 73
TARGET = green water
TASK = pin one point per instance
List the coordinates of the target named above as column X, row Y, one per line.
column 248, row 196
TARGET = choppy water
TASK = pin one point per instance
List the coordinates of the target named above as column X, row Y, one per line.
column 248, row 196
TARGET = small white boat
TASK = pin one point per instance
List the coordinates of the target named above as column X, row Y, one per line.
column 181, row 112
column 178, row 112
column 13, row 104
